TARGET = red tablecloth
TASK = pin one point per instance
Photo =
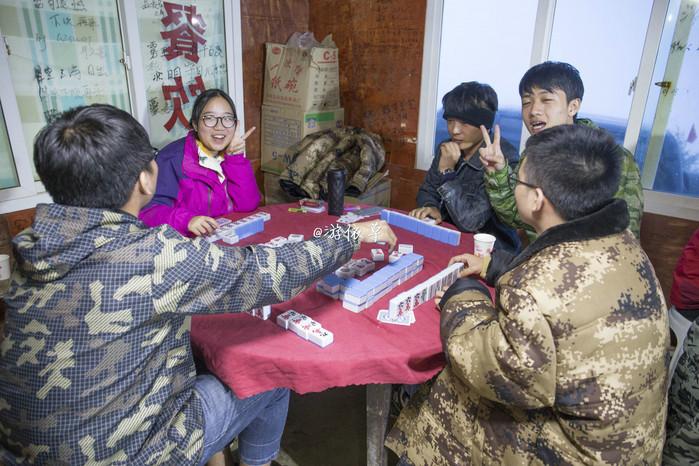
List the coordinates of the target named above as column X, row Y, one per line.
column 252, row 355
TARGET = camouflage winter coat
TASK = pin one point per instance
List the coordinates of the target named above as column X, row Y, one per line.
column 360, row 153
column 502, row 196
column 568, row 367
column 95, row 364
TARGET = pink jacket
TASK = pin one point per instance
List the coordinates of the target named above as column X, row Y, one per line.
column 186, row 189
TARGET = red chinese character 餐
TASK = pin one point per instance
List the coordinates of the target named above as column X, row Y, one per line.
column 186, row 37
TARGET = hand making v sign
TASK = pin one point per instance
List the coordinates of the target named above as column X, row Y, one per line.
column 491, row 155
column 237, row 145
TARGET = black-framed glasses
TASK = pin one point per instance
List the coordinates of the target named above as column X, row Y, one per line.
column 155, row 152
column 513, row 181
column 227, row 121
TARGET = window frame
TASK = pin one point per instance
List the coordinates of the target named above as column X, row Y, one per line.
column 680, row 206
column 29, row 192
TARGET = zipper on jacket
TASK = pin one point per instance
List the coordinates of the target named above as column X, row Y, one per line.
column 229, row 199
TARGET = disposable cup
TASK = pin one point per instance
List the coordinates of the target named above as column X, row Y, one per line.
column 483, row 244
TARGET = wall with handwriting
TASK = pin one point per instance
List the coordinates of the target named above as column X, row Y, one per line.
column 62, row 53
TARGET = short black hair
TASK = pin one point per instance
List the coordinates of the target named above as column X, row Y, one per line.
column 91, row 156
column 577, row 167
column 468, row 95
column 552, row 75
column 204, row 98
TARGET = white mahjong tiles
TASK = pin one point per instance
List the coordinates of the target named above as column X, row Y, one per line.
column 358, row 295
column 305, row 327
column 261, row 312
column 400, row 308
column 231, row 232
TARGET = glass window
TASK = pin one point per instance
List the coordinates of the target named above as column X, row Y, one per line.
column 668, row 145
column 473, row 49
column 606, row 50
column 8, row 173
column 184, row 53
column 61, row 55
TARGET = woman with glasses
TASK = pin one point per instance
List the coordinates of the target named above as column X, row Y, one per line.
column 205, row 174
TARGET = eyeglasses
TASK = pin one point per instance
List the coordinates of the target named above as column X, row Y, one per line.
column 228, row 121
column 155, row 152
column 513, row 180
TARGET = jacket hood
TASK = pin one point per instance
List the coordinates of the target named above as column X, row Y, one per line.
column 63, row 236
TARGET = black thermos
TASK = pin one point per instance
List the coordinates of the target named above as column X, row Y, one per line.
column 336, row 191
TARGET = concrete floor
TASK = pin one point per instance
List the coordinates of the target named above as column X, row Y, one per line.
column 327, row 429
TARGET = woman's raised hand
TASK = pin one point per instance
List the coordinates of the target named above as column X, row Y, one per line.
column 237, row 145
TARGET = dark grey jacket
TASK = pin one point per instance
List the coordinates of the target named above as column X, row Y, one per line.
column 462, row 199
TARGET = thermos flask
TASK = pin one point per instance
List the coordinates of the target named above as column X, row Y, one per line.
column 336, row 191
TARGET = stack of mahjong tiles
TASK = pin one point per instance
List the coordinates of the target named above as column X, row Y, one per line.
column 422, row 227
column 358, row 295
column 401, row 307
column 231, row 232
column 305, row 327
column 355, row 268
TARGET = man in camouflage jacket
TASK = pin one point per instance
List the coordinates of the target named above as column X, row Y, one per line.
column 569, row 365
column 551, row 95
column 95, row 364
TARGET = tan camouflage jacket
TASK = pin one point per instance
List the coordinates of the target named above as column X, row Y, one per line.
column 569, row 366
column 502, row 197
column 95, row 361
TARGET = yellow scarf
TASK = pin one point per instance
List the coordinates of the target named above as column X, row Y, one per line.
column 211, row 160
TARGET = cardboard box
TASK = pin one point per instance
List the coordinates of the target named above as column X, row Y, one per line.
column 307, row 79
column 282, row 127
column 378, row 194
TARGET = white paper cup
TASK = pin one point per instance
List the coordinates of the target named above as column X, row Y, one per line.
column 4, row 267
column 483, row 244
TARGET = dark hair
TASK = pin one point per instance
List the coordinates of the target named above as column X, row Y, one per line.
column 467, row 95
column 552, row 75
column 204, row 98
column 92, row 156
column 577, row 167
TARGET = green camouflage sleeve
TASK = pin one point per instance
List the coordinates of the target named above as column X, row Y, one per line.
column 508, row 357
column 193, row 277
column 502, row 198
column 631, row 190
